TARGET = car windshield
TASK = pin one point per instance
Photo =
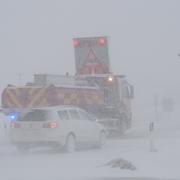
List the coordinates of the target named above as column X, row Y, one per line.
column 35, row 115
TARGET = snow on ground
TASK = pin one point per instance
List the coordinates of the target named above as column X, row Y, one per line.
column 133, row 146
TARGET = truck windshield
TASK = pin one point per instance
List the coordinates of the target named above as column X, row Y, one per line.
column 35, row 115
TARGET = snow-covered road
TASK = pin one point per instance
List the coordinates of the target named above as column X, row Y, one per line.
column 134, row 147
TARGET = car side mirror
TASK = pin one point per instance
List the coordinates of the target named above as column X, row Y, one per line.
column 92, row 118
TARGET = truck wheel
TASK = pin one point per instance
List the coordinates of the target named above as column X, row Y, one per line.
column 70, row 144
column 122, row 124
column 123, row 127
column 22, row 149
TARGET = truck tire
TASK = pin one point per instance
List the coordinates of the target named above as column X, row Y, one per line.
column 123, row 127
column 22, row 149
column 70, row 146
column 122, row 124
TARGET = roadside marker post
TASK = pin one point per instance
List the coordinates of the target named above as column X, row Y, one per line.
column 152, row 125
column 151, row 137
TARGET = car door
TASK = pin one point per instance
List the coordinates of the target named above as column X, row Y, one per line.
column 91, row 127
column 78, row 125
column 65, row 124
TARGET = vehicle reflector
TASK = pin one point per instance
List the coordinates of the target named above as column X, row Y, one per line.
column 50, row 125
column 14, row 124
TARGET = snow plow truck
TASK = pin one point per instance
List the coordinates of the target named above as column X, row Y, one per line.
column 93, row 88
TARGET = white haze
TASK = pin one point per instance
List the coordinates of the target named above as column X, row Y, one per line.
column 144, row 43
column 36, row 37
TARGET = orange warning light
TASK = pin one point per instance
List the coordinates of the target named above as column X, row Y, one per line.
column 110, row 78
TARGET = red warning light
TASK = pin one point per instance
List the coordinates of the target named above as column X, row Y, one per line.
column 76, row 42
column 102, row 41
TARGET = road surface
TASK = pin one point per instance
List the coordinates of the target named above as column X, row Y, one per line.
column 42, row 164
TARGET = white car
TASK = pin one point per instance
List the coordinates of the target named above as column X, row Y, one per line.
column 66, row 127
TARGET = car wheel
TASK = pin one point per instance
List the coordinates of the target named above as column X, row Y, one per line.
column 102, row 139
column 70, row 144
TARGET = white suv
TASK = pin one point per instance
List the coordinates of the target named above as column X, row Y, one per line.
column 66, row 127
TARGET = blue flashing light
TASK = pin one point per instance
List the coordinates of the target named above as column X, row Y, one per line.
column 12, row 116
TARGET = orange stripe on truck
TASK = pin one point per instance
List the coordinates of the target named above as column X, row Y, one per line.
column 7, row 101
column 43, row 103
column 40, row 102
column 13, row 98
column 37, row 97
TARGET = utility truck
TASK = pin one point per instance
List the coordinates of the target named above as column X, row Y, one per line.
column 93, row 87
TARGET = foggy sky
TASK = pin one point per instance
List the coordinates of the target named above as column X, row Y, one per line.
column 36, row 37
